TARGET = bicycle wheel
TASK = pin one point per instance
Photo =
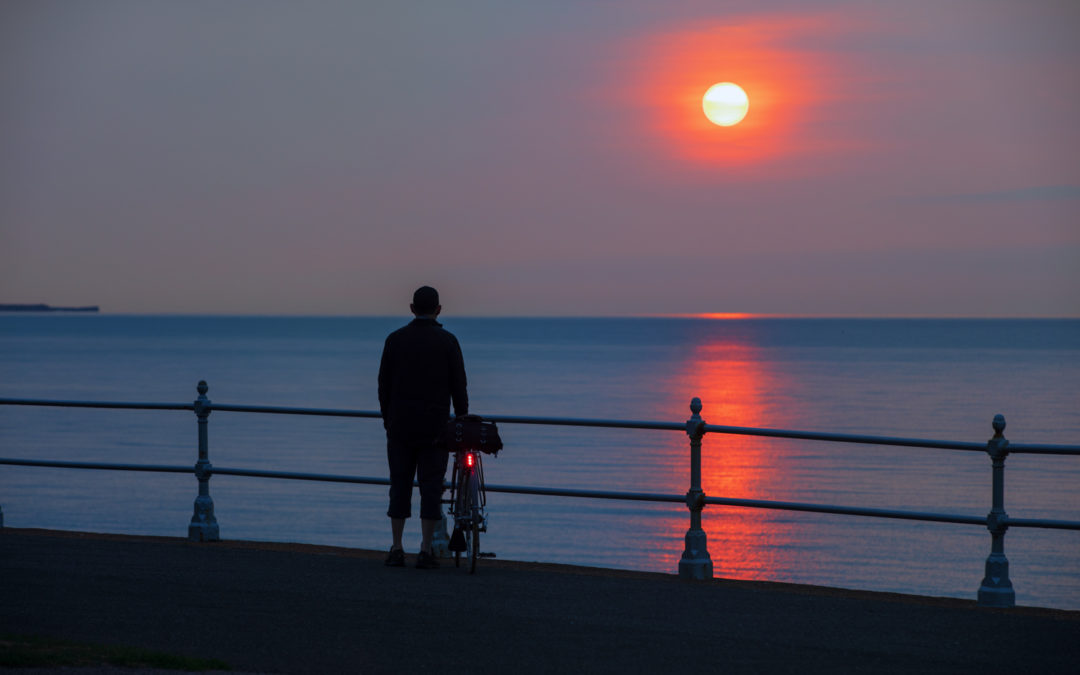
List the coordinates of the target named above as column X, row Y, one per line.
column 472, row 537
column 462, row 511
column 474, row 545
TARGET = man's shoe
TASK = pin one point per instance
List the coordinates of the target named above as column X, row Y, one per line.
column 426, row 561
column 395, row 558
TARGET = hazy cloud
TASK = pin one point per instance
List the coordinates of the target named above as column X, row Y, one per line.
column 270, row 157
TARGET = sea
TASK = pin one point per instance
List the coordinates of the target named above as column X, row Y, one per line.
column 923, row 378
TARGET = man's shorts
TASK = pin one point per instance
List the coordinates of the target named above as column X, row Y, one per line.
column 428, row 465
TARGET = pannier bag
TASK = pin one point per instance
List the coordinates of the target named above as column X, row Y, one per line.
column 472, row 432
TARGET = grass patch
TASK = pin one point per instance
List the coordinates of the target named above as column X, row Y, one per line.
column 28, row 651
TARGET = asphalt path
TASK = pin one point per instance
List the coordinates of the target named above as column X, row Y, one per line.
column 313, row 609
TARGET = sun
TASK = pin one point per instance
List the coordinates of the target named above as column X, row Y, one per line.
column 725, row 104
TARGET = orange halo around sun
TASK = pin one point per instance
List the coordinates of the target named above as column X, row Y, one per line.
column 678, row 65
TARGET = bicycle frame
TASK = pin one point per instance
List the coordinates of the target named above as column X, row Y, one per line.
column 467, row 500
column 475, row 471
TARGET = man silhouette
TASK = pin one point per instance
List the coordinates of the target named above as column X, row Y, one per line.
column 421, row 372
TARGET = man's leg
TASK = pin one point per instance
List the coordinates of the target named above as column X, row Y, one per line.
column 402, row 462
column 427, row 530
column 431, row 472
column 397, row 527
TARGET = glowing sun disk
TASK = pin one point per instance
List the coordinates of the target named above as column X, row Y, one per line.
column 725, row 104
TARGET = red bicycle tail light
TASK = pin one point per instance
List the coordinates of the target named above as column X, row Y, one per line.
column 470, row 460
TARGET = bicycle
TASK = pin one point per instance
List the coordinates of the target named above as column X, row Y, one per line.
column 467, row 501
column 467, row 436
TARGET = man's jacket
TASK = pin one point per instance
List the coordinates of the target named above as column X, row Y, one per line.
column 421, row 371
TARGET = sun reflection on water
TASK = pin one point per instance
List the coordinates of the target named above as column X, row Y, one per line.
column 736, row 386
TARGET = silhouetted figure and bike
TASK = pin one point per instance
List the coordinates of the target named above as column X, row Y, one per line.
column 422, row 372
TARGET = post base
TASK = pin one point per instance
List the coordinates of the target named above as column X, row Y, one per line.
column 996, row 589
column 203, row 532
column 696, row 569
column 990, row 596
column 695, row 564
column 204, row 526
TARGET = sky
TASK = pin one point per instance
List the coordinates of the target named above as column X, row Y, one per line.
column 898, row 158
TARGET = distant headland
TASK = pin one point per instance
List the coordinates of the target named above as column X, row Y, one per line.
column 46, row 308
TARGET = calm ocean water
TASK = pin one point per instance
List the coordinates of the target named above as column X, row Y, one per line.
column 923, row 378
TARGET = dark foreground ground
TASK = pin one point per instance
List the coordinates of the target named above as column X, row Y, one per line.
column 299, row 609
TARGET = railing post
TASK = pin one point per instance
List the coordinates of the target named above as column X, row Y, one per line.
column 204, row 526
column 996, row 589
column 695, row 562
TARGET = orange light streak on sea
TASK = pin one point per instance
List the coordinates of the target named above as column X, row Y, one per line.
column 736, row 385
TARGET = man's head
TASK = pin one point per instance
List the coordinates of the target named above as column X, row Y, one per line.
column 425, row 302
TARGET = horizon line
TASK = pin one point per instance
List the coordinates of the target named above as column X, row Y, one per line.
column 711, row 316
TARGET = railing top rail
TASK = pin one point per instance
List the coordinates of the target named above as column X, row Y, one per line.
column 283, row 410
column 584, row 422
column 847, row 438
column 1043, row 449
column 97, row 404
column 1017, row 448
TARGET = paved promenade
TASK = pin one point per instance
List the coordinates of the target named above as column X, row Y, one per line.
column 308, row 609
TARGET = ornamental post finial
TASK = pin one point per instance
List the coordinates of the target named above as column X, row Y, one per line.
column 999, row 425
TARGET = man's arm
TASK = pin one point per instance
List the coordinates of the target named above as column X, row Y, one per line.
column 458, row 384
column 386, row 379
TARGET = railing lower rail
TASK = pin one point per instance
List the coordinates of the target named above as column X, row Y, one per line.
column 695, row 563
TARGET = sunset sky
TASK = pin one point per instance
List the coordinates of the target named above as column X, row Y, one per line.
column 899, row 157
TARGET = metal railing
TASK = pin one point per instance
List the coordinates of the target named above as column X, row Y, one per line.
column 996, row 589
